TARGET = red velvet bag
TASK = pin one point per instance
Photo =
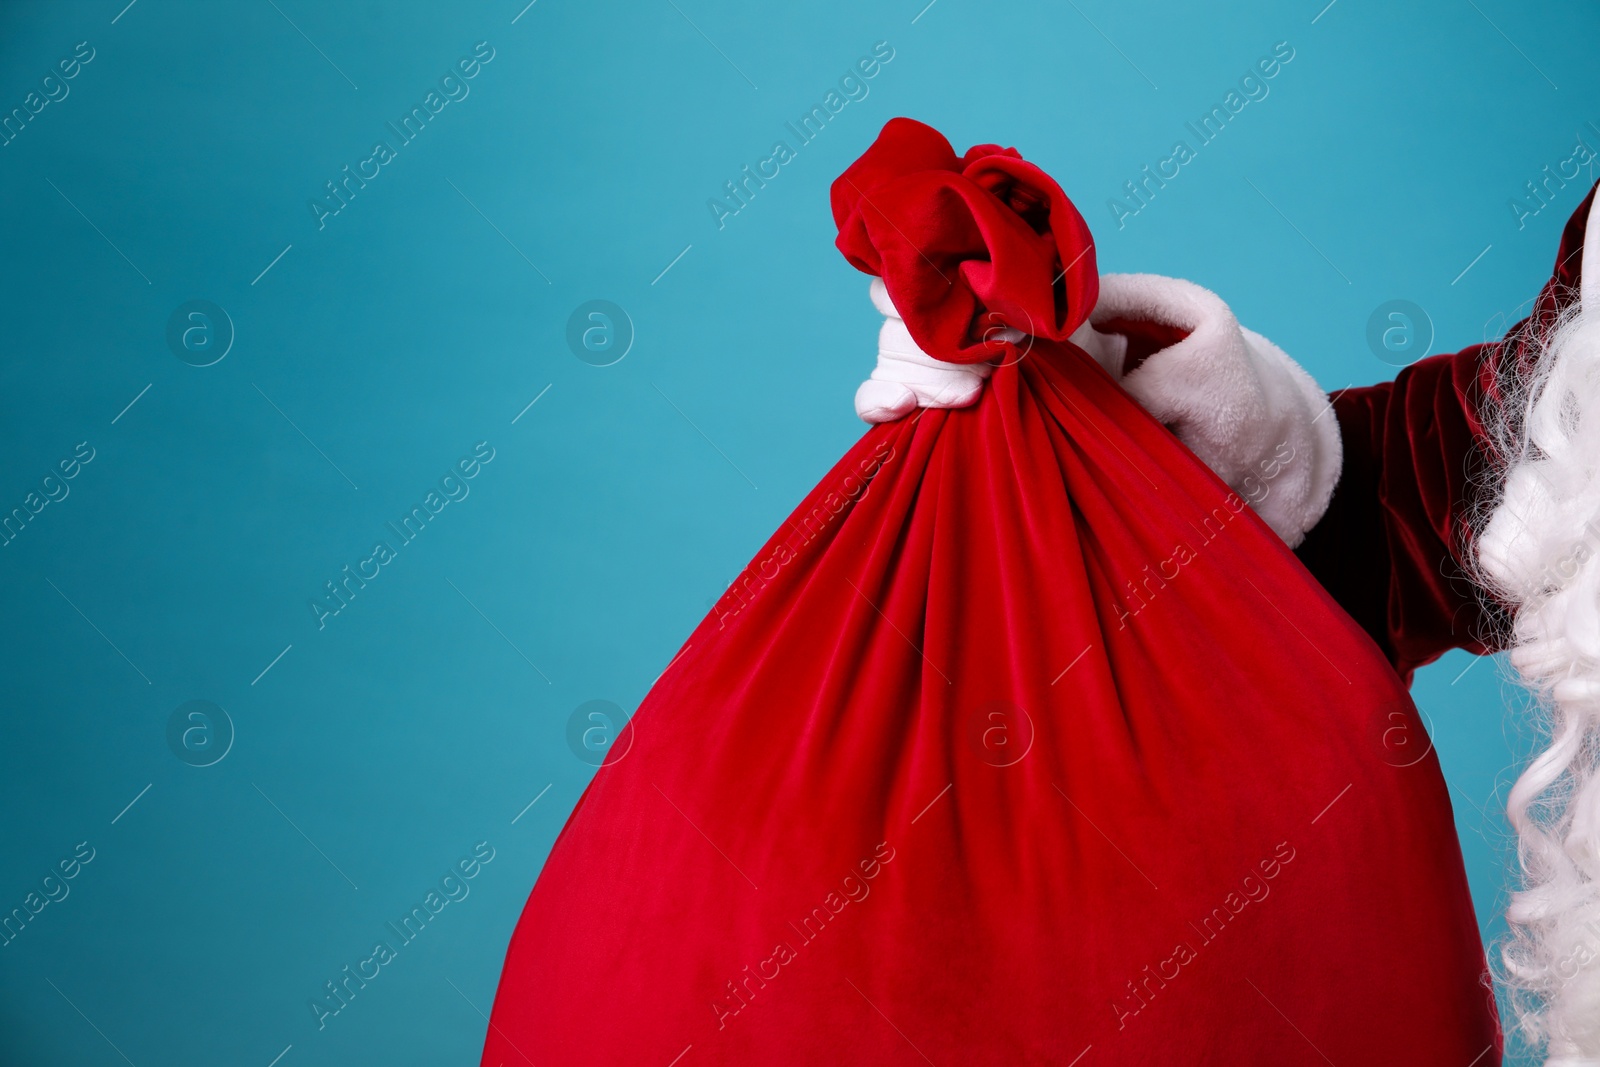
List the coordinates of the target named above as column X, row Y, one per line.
column 1022, row 742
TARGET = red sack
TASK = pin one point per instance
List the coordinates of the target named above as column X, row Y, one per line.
column 1022, row 742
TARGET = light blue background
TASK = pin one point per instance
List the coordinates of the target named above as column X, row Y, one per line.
column 408, row 330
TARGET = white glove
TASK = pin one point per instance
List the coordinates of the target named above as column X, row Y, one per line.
column 1248, row 411
column 907, row 378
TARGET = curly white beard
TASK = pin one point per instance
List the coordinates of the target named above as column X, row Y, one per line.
column 1539, row 552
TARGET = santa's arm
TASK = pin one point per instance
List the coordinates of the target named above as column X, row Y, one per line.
column 1248, row 411
column 1392, row 545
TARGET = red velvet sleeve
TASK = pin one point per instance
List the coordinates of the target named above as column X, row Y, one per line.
column 1391, row 546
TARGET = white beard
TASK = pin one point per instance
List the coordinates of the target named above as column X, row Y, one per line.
column 1539, row 552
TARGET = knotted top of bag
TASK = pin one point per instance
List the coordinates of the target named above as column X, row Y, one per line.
column 969, row 247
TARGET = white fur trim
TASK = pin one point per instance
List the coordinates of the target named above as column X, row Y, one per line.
column 1589, row 272
column 1110, row 350
column 1247, row 410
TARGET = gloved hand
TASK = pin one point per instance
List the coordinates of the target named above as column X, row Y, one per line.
column 1247, row 410
column 907, row 378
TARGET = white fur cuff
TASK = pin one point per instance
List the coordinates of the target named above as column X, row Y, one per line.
column 1247, row 410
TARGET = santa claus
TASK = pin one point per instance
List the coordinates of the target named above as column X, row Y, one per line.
column 1457, row 506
